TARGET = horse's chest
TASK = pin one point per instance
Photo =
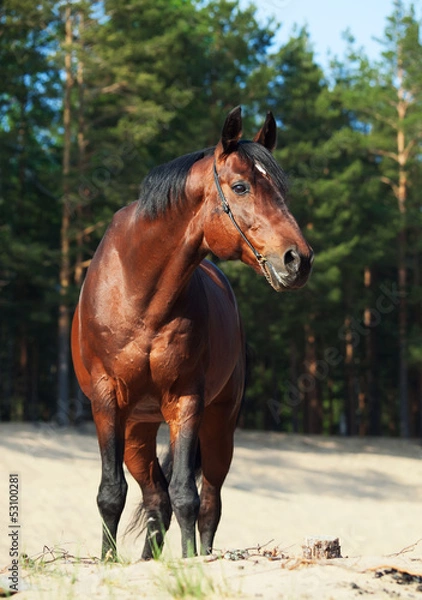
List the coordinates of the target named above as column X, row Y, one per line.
column 174, row 352
column 149, row 367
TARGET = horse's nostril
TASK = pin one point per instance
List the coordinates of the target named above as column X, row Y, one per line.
column 289, row 257
column 292, row 260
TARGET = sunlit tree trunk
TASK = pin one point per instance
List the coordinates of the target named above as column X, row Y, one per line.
column 399, row 188
column 402, row 155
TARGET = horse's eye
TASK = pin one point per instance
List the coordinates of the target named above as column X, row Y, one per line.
column 240, row 188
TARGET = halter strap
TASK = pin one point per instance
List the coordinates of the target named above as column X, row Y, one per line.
column 226, row 207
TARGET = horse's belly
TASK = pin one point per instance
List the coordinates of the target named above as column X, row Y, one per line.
column 225, row 351
column 146, row 410
column 224, row 335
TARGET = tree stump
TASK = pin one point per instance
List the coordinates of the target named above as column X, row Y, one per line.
column 321, row 546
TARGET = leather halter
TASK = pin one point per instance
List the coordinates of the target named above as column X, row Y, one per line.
column 226, row 207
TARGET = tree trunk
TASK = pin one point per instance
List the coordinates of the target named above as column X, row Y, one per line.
column 350, row 408
column 372, row 403
column 402, row 273
column 418, row 324
column 79, row 269
column 330, row 394
column 63, row 407
column 21, row 386
column 293, row 373
column 6, row 369
column 33, row 410
column 403, row 368
column 399, row 186
column 310, row 383
column 419, row 391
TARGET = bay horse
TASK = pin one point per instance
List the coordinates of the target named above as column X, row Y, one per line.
column 157, row 336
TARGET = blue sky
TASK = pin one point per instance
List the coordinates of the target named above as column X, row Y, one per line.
column 328, row 19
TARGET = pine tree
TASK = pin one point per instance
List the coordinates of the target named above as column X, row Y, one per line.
column 387, row 100
column 29, row 211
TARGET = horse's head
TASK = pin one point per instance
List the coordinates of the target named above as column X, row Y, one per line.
column 249, row 217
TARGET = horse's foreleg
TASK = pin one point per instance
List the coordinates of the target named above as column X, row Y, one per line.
column 182, row 489
column 113, row 487
column 141, row 460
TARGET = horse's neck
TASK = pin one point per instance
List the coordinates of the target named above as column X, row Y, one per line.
column 160, row 258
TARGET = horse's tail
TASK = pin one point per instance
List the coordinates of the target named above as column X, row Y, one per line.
column 138, row 522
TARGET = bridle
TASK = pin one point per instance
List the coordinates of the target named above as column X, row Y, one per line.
column 226, row 207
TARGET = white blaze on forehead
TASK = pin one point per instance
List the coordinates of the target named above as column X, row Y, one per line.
column 260, row 168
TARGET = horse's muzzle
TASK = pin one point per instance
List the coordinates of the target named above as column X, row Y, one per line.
column 290, row 271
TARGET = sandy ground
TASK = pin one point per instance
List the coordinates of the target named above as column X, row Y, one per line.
column 280, row 490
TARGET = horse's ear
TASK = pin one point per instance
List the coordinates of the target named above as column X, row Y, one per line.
column 232, row 131
column 267, row 135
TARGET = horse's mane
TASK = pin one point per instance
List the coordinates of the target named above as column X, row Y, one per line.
column 164, row 186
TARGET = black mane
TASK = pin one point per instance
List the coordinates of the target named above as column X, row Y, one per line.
column 164, row 186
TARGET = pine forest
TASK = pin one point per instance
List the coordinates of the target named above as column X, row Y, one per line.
column 93, row 95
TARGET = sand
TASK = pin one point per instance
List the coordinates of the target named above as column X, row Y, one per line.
column 281, row 489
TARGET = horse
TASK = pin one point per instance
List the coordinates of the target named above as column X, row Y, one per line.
column 157, row 336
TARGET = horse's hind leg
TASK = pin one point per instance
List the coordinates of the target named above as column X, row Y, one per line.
column 141, row 460
column 111, row 496
column 216, row 444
